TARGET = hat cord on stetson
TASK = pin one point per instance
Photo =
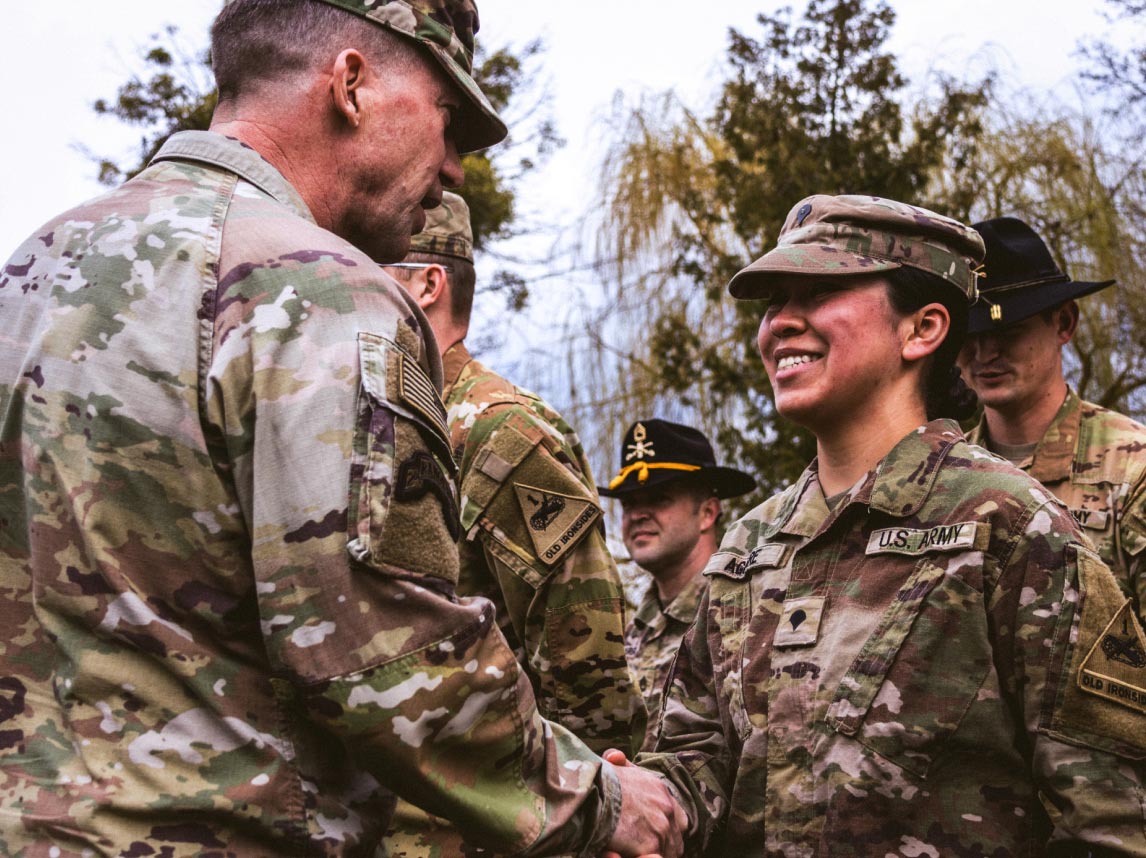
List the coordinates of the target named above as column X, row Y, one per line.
column 643, row 468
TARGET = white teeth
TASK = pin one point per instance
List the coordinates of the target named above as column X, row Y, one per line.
column 794, row 360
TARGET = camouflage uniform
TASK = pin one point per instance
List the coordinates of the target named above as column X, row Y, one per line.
column 534, row 545
column 940, row 666
column 654, row 636
column 227, row 546
column 1094, row 460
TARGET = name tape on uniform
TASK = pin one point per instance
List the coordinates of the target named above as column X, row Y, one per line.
column 768, row 556
column 1095, row 519
column 1115, row 668
column 909, row 540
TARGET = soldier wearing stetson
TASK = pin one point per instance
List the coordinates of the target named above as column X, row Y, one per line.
column 1092, row 458
column 670, row 489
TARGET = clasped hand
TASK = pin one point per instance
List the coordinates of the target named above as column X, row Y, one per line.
column 652, row 823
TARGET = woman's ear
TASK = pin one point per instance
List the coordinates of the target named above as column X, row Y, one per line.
column 926, row 329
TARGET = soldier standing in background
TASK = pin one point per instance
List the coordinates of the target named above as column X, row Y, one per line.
column 227, row 501
column 1093, row 459
column 670, row 489
column 531, row 534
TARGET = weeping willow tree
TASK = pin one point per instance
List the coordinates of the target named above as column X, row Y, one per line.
column 813, row 105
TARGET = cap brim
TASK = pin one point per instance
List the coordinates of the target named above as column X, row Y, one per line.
column 1023, row 302
column 754, row 280
column 727, row 482
column 478, row 126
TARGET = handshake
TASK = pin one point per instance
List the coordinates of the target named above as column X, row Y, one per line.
column 652, row 822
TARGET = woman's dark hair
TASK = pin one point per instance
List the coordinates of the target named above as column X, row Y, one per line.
column 944, row 392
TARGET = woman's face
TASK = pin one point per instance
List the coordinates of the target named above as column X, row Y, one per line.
column 828, row 345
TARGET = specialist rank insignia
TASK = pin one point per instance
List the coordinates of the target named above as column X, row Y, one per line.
column 1115, row 668
column 555, row 521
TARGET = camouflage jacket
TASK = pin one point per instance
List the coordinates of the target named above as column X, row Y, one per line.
column 654, row 636
column 227, row 546
column 533, row 545
column 941, row 666
column 1094, row 460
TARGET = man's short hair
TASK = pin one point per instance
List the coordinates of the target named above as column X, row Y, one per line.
column 256, row 42
column 463, row 280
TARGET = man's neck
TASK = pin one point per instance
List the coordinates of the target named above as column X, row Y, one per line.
column 1026, row 422
column 301, row 165
column 672, row 581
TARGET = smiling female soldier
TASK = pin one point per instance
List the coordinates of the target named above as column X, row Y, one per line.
column 912, row 650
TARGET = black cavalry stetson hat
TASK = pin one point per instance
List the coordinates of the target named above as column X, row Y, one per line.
column 1019, row 277
column 657, row 451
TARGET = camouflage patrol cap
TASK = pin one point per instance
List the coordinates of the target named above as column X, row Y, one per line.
column 853, row 234
column 447, row 231
column 446, row 29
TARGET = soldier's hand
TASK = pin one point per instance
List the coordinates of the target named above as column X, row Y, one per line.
column 652, row 823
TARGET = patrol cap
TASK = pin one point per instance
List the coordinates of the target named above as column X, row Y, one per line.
column 656, row 451
column 447, row 231
column 446, row 29
column 826, row 236
column 1020, row 277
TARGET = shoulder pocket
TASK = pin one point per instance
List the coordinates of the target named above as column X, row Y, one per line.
column 915, row 678
column 403, row 496
column 526, row 500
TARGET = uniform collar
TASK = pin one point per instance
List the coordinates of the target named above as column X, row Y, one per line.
column 456, row 359
column 1054, row 456
column 898, row 485
column 230, row 154
column 682, row 608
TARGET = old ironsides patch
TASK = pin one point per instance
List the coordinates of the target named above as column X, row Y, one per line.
column 910, row 540
column 420, row 475
column 555, row 521
column 1115, row 668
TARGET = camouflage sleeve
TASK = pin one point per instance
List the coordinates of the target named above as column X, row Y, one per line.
column 539, row 533
column 321, row 398
column 1070, row 651
column 696, row 745
column 1130, row 531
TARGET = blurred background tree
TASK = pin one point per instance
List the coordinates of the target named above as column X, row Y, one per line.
column 813, row 104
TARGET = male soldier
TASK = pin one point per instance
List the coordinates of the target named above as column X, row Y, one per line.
column 227, row 505
column 670, row 489
column 1093, row 459
column 530, row 527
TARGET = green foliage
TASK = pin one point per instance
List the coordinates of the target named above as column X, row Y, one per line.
column 809, row 106
column 176, row 93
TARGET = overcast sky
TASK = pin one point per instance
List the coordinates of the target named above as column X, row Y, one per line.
column 59, row 57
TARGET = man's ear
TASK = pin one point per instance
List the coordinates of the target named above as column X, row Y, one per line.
column 709, row 512
column 346, row 80
column 1066, row 321
column 927, row 327
column 436, row 287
